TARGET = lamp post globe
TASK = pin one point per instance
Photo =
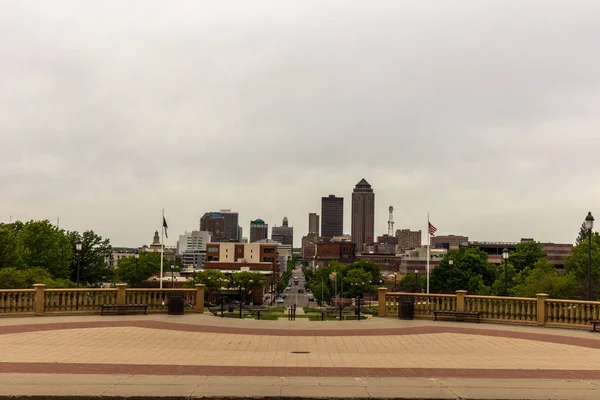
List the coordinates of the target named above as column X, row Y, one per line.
column 505, row 258
column 78, row 247
column 451, row 263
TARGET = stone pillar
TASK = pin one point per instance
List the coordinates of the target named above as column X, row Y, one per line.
column 382, row 292
column 460, row 300
column 40, row 298
column 541, row 308
column 199, row 298
column 121, row 291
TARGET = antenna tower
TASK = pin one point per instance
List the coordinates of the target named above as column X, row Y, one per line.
column 391, row 222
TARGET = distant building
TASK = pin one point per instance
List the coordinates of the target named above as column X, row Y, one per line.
column 283, row 234
column 284, row 252
column 332, row 216
column 363, row 214
column 408, row 239
column 328, row 250
column 313, row 223
column 342, row 238
column 309, row 246
column 230, row 226
column 385, row 244
column 119, row 253
column 156, row 247
column 448, row 242
column 214, row 222
column 192, row 248
column 259, row 230
column 556, row 252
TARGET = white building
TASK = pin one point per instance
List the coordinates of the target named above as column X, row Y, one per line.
column 192, row 248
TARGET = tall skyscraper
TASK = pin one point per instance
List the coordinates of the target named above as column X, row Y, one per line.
column 259, row 230
column 283, row 234
column 332, row 216
column 230, row 230
column 363, row 214
column 313, row 223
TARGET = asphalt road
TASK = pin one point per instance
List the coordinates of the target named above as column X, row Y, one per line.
column 292, row 295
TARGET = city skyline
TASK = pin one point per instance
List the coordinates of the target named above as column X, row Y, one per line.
column 107, row 118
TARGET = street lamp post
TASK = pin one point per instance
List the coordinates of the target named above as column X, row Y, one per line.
column 451, row 263
column 417, row 279
column 137, row 258
column 78, row 247
column 505, row 258
column 394, row 276
column 589, row 224
column 172, row 276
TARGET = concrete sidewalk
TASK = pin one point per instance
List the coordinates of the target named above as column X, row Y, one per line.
column 185, row 387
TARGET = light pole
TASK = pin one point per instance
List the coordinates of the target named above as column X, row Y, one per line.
column 137, row 258
column 589, row 224
column 451, row 263
column 78, row 247
column 417, row 280
column 172, row 276
column 505, row 258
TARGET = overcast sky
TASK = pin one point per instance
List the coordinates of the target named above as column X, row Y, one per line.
column 486, row 114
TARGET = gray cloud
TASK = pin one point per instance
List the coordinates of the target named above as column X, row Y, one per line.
column 484, row 114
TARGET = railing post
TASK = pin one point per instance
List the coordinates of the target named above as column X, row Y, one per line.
column 40, row 298
column 121, row 293
column 460, row 300
column 541, row 308
column 199, row 298
column 382, row 309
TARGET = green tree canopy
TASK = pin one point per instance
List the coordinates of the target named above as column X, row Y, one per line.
column 527, row 255
column 94, row 254
column 358, row 282
column 577, row 264
column 470, row 271
column 213, row 279
column 545, row 278
column 46, row 246
column 14, row 278
column 248, row 280
column 134, row 272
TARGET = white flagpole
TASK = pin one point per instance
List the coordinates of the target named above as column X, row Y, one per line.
column 162, row 247
column 428, row 243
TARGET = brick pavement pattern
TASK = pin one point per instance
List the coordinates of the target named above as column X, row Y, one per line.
column 202, row 347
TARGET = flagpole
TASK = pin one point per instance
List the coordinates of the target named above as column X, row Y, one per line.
column 428, row 244
column 162, row 247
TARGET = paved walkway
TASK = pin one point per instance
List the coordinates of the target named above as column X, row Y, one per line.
column 201, row 355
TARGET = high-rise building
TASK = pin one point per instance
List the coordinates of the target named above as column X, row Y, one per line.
column 230, row 229
column 407, row 239
column 363, row 214
column 192, row 248
column 222, row 225
column 313, row 223
column 258, row 230
column 283, row 234
column 214, row 222
column 332, row 216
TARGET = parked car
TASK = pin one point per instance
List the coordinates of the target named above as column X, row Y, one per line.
column 300, row 290
column 280, row 301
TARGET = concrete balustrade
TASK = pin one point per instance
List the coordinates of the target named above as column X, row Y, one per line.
column 42, row 301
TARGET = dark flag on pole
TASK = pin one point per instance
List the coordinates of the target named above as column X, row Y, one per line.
column 165, row 226
column 432, row 230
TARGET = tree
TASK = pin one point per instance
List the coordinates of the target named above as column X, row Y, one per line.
column 11, row 252
column 357, row 282
column 46, row 246
column 583, row 234
column 410, row 283
column 248, row 280
column 213, row 279
column 95, row 251
column 545, row 278
column 135, row 271
column 527, row 255
column 320, row 292
column 470, row 271
column 577, row 264
column 13, row 278
column 369, row 267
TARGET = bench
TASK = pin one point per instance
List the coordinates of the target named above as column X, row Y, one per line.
column 124, row 308
column 595, row 322
column 459, row 315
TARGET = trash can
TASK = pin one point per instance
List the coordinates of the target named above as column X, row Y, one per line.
column 175, row 304
column 406, row 310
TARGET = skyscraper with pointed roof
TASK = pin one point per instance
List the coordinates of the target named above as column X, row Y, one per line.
column 363, row 214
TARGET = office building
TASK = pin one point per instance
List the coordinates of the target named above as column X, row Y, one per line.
column 328, row 250
column 448, row 242
column 332, row 216
column 230, row 226
column 309, row 245
column 258, row 230
column 214, row 222
column 192, row 248
column 363, row 214
column 407, row 239
column 313, row 223
column 283, row 234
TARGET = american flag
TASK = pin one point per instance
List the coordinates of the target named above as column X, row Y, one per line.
column 432, row 229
